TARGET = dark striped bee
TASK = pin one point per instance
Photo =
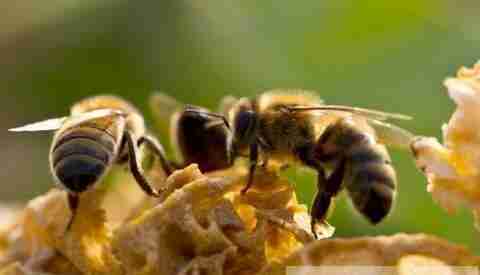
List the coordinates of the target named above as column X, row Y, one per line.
column 345, row 145
column 198, row 135
column 101, row 131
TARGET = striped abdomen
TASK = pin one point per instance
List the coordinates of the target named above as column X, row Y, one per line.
column 369, row 176
column 372, row 181
column 81, row 155
column 206, row 146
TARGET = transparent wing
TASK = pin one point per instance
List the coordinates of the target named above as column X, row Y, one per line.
column 95, row 114
column 56, row 123
column 226, row 104
column 46, row 125
column 163, row 107
column 368, row 113
column 392, row 135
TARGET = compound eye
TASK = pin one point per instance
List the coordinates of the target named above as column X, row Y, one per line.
column 245, row 126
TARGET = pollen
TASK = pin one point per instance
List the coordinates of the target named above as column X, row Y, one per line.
column 201, row 225
column 453, row 166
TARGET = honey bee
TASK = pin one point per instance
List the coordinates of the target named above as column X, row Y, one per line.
column 345, row 145
column 198, row 135
column 100, row 131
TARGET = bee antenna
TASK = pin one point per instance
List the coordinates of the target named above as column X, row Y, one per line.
column 191, row 109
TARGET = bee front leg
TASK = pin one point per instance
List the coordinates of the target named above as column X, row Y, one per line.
column 158, row 149
column 135, row 166
column 327, row 190
column 253, row 166
column 73, row 205
column 265, row 148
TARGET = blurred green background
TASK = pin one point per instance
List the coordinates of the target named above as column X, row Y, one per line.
column 388, row 55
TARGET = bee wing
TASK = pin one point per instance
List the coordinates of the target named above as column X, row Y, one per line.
column 368, row 113
column 56, row 123
column 226, row 104
column 163, row 107
column 391, row 135
column 46, row 125
column 92, row 115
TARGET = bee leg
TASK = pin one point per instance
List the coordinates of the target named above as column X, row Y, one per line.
column 320, row 204
column 265, row 147
column 73, row 205
column 327, row 190
column 253, row 166
column 135, row 166
column 158, row 149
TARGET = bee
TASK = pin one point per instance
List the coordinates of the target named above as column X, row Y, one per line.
column 198, row 135
column 345, row 145
column 101, row 131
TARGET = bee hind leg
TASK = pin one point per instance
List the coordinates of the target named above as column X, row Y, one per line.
column 328, row 188
column 253, row 166
column 135, row 166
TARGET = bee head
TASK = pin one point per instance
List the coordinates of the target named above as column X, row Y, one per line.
column 245, row 125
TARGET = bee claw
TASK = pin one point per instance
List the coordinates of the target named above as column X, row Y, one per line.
column 244, row 191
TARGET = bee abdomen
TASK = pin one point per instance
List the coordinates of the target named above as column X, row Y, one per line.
column 78, row 172
column 368, row 153
column 372, row 183
column 81, row 156
column 199, row 144
column 81, row 146
column 100, row 136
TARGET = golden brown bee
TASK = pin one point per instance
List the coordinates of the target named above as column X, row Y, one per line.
column 198, row 135
column 345, row 145
column 100, row 131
